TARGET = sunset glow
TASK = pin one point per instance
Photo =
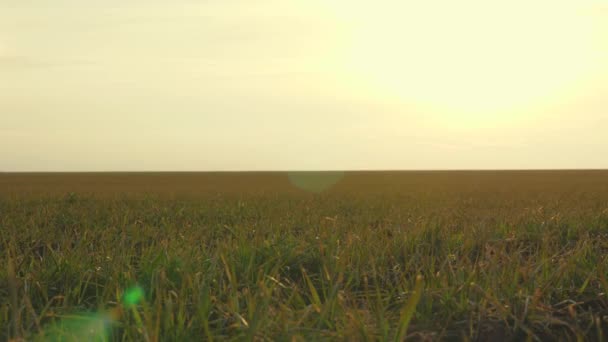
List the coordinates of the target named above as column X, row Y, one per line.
column 291, row 85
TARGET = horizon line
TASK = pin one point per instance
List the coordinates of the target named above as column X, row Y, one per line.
column 312, row 170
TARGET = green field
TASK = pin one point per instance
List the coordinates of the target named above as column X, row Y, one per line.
column 479, row 255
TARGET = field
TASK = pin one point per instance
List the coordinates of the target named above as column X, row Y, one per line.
column 473, row 255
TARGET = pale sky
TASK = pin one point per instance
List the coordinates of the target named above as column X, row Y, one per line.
column 109, row 85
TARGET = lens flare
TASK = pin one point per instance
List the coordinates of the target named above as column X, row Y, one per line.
column 133, row 296
column 92, row 327
column 315, row 181
column 82, row 327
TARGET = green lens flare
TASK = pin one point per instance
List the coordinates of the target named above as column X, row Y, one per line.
column 133, row 296
column 80, row 327
column 315, row 181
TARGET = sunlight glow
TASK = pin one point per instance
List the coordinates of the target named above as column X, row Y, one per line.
column 473, row 62
column 303, row 85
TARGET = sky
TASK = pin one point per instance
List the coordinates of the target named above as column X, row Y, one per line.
column 185, row 85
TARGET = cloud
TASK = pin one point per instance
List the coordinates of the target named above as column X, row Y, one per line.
column 25, row 62
column 17, row 61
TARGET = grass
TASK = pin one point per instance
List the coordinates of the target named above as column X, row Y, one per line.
column 250, row 256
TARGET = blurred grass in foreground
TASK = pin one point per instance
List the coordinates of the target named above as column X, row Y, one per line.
column 378, row 256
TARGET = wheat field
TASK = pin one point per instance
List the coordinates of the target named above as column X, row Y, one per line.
column 354, row 256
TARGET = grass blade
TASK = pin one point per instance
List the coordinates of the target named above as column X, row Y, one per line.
column 408, row 310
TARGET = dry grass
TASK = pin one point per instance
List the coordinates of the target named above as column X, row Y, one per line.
column 249, row 256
